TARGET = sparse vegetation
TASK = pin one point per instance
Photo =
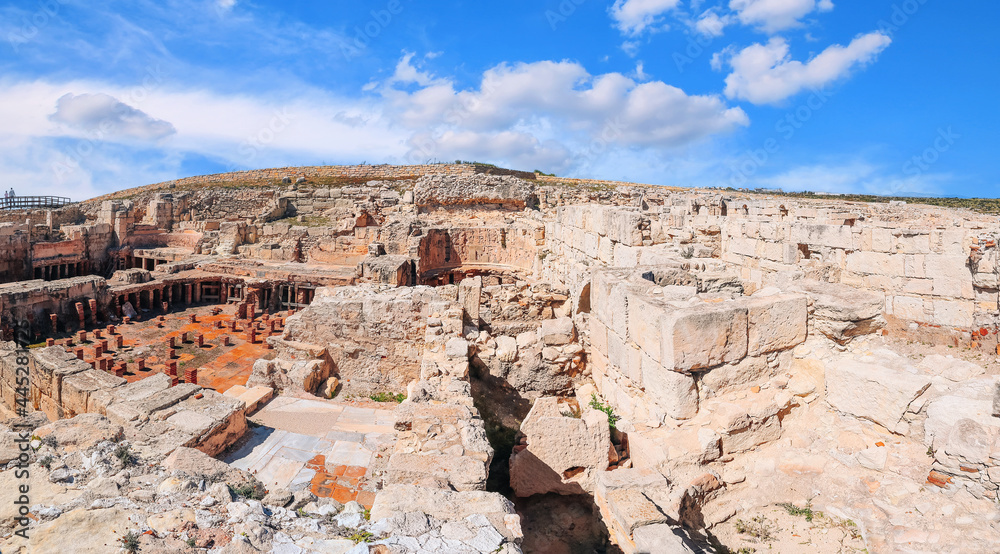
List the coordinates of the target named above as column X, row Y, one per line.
column 687, row 253
column 758, row 528
column 387, row 397
column 130, row 542
column 249, row 491
column 806, row 512
column 46, row 462
column 596, row 404
column 361, row 536
column 124, row 454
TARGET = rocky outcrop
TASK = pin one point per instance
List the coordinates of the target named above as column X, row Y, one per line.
column 504, row 191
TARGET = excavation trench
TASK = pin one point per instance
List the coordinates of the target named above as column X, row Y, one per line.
column 551, row 523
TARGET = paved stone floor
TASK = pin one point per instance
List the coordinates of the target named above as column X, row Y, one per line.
column 321, row 445
column 219, row 367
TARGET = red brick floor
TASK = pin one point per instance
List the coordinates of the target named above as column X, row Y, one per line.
column 219, row 367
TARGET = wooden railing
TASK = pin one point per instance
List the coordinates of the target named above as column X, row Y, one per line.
column 29, row 202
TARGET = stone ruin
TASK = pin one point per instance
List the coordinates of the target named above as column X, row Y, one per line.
column 458, row 358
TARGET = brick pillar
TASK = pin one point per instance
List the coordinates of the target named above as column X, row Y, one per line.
column 191, row 376
column 79, row 353
column 232, row 326
column 119, row 341
column 184, row 337
column 193, row 318
column 187, row 293
column 140, row 365
column 54, row 318
column 93, row 310
column 111, row 329
column 127, row 320
column 199, row 339
column 225, row 340
column 104, row 345
column 81, row 337
column 165, row 307
column 251, row 335
column 171, row 353
column 50, row 342
column 80, row 314
column 196, row 291
column 172, row 368
column 223, row 293
column 69, row 343
column 171, row 342
column 217, row 324
column 98, row 351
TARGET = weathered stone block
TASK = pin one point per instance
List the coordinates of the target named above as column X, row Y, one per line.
column 703, row 336
column 776, row 322
column 872, row 392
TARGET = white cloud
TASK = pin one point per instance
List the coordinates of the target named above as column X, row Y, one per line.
column 772, row 16
column 226, row 4
column 634, row 16
column 856, row 177
column 766, row 74
column 555, row 107
column 553, row 116
column 712, row 24
column 106, row 117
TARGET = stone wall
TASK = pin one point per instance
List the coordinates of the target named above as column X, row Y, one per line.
column 449, row 248
column 933, row 266
column 372, row 337
column 61, row 386
column 663, row 337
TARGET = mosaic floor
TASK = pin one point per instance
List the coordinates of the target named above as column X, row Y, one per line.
column 321, row 445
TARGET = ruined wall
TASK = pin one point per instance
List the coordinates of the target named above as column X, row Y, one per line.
column 447, row 248
column 373, row 337
column 934, row 266
column 924, row 272
column 61, row 386
column 656, row 347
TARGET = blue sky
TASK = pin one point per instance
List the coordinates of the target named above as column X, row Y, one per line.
column 880, row 97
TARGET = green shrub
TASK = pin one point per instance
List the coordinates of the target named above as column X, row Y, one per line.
column 606, row 408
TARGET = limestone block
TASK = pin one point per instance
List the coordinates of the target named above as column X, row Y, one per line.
column 644, row 315
column 731, row 377
column 834, row 236
column 956, row 313
column 775, row 322
column 661, row 537
column 946, row 267
column 598, row 335
column 703, row 336
column 970, row 441
column 559, row 331
column 469, row 296
column 457, row 348
column 676, row 393
column 871, row 391
column 876, row 263
column 567, row 447
column 506, row 350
